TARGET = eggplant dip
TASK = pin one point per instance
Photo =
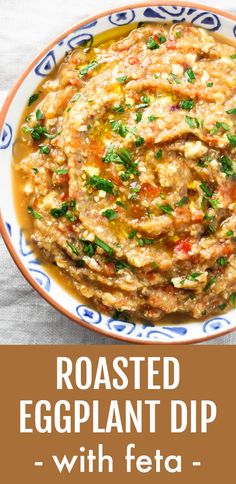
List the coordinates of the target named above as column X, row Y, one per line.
column 129, row 172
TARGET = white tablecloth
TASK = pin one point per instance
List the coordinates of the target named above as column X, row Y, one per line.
column 25, row 27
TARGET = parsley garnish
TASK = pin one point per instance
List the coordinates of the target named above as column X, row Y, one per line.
column 152, row 118
column 104, row 246
column 60, row 212
column 99, row 183
column 232, row 299
column 219, row 125
column 35, row 170
column 227, row 166
column 222, row 306
column 205, row 188
column 34, row 214
column 110, row 214
column 166, row 208
column 222, row 261
column 143, row 242
column 152, row 44
column 161, row 38
column 62, row 172
column 187, row 104
column 119, row 109
column 190, row 76
column 73, row 248
column 44, row 149
column 80, row 263
column 192, row 122
column 39, row 115
column 122, row 79
column 182, row 202
column 120, row 204
column 175, row 78
column 118, row 127
column 229, row 233
column 159, row 154
column 210, row 84
column 85, row 70
column 232, row 139
column 33, row 98
column 210, row 283
column 231, row 111
column 120, row 264
column 133, row 234
column 233, row 56
column 89, row 248
column 138, row 117
column 139, row 141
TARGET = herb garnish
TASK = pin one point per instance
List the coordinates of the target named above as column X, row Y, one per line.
column 166, row 208
column 143, row 242
column 186, row 104
column 205, row 188
column 210, row 283
column 88, row 68
column 34, row 214
column 152, row 44
column 118, row 127
column 104, row 246
column 161, row 38
column 232, row 139
column 89, row 248
column 232, row 299
column 152, row 118
column 110, row 214
column 60, row 212
column 222, row 261
column 99, row 183
column 44, row 149
column 190, row 76
column 133, row 234
column 227, row 166
column 139, row 141
column 138, row 117
column 229, row 233
column 39, row 132
column 39, row 115
column 182, row 202
column 73, row 248
column 231, row 111
column 219, row 125
column 35, row 170
column 175, row 79
column 210, row 84
column 159, row 154
column 122, row 79
column 119, row 109
column 192, row 122
column 33, row 98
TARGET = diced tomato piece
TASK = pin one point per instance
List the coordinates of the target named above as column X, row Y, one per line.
column 150, row 190
column 133, row 60
column 110, row 269
column 63, row 197
column 228, row 249
column 63, row 179
column 183, row 246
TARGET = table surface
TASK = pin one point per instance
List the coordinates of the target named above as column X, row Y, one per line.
column 26, row 26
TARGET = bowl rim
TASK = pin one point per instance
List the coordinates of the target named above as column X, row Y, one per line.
column 3, row 114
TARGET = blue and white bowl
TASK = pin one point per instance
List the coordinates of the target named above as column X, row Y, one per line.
column 193, row 331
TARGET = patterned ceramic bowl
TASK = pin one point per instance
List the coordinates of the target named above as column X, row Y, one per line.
column 41, row 66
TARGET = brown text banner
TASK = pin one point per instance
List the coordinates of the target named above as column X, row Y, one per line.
column 127, row 414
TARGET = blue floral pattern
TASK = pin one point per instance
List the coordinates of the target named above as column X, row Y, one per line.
column 130, row 330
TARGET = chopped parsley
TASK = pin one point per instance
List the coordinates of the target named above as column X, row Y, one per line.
column 145, row 102
column 88, row 68
column 194, row 276
column 161, row 38
column 75, row 98
column 229, row 233
column 222, row 261
column 33, row 98
column 182, row 202
column 34, row 214
column 154, row 265
column 178, row 34
column 231, row 111
column 122, row 79
column 189, row 75
column 110, row 214
column 39, row 115
column 186, row 104
column 233, row 56
column 104, row 246
column 152, row 44
column 227, row 166
column 139, row 141
column 39, row 132
column 143, row 242
column 62, row 171
column 120, row 264
column 219, row 125
column 222, row 306
column 89, row 248
column 166, row 208
column 156, row 76
column 205, row 188
column 118, row 127
column 152, row 118
column 174, row 78
column 99, row 183
column 232, row 139
column 120, row 204
column 210, row 84
column 133, row 234
column 192, row 122
column 138, row 117
column 159, row 154
column 73, row 248
column 119, row 109
column 123, row 157
column 60, row 212
column 35, row 170
column 210, row 283
column 232, row 299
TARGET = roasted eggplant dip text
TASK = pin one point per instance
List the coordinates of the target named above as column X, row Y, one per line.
column 128, row 161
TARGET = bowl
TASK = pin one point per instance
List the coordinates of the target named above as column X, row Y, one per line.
column 169, row 11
